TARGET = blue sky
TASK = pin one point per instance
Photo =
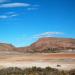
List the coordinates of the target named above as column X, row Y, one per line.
column 24, row 21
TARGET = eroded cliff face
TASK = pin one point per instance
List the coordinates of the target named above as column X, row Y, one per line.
column 48, row 44
column 45, row 44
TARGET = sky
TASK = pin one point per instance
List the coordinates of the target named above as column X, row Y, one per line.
column 22, row 22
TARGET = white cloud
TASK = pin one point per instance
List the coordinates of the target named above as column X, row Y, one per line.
column 13, row 15
column 1, row 1
column 11, row 5
column 3, row 17
column 32, row 8
column 47, row 34
column 8, row 16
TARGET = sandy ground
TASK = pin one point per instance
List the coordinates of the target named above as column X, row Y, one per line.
column 63, row 66
column 67, row 61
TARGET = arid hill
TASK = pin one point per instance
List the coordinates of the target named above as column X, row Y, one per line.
column 6, row 47
column 43, row 45
column 50, row 44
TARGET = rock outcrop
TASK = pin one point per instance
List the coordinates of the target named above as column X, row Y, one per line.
column 48, row 45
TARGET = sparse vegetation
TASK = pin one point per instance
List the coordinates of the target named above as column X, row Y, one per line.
column 34, row 71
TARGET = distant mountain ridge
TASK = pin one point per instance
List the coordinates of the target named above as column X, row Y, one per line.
column 4, row 46
column 47, row 44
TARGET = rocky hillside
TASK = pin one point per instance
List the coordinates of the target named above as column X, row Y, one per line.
column 6, row 47
column 48, row 45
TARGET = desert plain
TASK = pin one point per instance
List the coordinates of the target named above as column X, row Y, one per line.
column 66, row 61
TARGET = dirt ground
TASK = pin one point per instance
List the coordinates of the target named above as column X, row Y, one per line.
column 31, row 57
column 39, row 60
